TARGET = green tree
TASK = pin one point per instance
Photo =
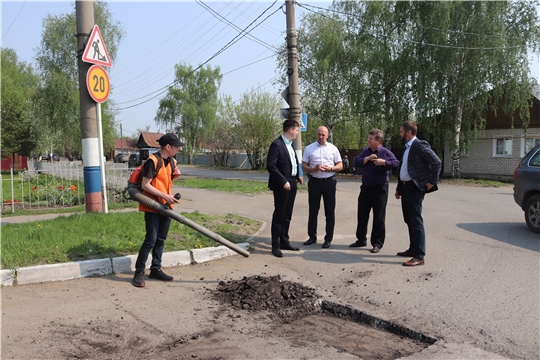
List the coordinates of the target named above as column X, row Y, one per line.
column 191, row 103
column 469, row 55
column 59, row 105
column 353, row 70
column 323, row 75
column 258, row 125
column 380, row 91
column 221, row 137
column 19, row 82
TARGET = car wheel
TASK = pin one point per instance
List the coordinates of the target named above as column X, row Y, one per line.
column 532, row 213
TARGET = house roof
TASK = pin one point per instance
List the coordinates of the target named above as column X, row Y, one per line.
column 536, row 91
column 127, row 144
column 149, row 139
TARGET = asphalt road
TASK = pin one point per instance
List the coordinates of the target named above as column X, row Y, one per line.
column 479, row 288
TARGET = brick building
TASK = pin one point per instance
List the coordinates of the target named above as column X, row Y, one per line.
column 498, row 150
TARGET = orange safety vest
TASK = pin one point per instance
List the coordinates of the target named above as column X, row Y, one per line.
column 162, row 182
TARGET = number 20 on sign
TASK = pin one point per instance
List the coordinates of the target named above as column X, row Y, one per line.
column 97, row 82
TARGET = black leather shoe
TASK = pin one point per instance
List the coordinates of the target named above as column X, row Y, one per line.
column 277, row 253
column 157, row 274
column 406, row 253
column 289, row 247
column 310, row 241
column 358, row 244
column 375, row 250
column 326, row 245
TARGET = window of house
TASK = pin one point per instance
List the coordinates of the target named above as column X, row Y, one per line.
column 527, row 144
column 502, row 147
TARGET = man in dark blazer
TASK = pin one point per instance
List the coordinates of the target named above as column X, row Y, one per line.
column 418, row 175
column 282, row 165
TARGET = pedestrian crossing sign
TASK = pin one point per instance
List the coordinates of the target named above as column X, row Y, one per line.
column 304, row 122
column 95, row 51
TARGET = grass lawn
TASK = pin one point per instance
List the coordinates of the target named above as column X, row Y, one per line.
column 244, row 187
column 97, row 235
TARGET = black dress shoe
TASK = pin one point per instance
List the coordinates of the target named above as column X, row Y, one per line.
column 326, row 245
column 358, row 244
column 375, row 250
column 406, row 253
column 289, row 247
column 310, row 241
column 277, row 253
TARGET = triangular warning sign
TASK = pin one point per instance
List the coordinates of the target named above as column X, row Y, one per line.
column 96, row 52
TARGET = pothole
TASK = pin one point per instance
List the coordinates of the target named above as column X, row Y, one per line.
column 303, row 317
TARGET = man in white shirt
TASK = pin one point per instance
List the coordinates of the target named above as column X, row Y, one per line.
column 321, row 160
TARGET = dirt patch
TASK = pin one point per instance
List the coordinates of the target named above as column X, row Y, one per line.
column 289, row 300
column 304, row 319
column 251, row 318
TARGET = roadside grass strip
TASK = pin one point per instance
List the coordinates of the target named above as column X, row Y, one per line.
column 90, row 236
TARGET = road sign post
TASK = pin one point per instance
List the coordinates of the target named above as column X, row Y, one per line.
column 99, row 87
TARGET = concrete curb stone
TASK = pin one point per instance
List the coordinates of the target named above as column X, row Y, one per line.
column 8, row 276
column 65, row 271
column 207, row 254
column 126, row 264
column 100, row 267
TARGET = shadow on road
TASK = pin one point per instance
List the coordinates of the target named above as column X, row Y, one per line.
column 517, row 234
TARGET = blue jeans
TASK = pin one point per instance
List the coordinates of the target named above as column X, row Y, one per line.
column 157, row 228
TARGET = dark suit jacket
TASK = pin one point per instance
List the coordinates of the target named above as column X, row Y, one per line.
column 279, row 166
column 423, row 165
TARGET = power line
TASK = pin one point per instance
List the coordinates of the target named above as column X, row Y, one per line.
column 257, row 88
column 246, row 65
column 224, row 20
column 242, row 34
column 13, row 22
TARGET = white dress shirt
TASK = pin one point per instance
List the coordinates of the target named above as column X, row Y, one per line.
column 327, row 154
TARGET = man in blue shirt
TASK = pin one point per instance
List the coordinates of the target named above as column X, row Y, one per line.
column 376, row 162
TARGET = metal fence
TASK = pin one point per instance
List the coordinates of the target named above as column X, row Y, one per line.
column 57, row 185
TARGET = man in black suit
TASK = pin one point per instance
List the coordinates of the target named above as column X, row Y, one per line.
column 282, row 165
column 418, row 175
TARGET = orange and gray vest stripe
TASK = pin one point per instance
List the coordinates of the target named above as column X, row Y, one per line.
column 162, row 182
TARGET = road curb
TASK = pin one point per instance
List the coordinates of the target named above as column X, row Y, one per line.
column 208, row 254
column 108, row 266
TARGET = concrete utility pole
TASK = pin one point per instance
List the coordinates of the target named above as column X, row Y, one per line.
column 293, row 95
column 84, row 11
column 121, row 139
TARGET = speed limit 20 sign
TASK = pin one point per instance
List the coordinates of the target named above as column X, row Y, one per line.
column 97, row 82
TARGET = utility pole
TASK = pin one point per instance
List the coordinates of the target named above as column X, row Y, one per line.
column 84, row 11
column 293, row 95
column 121, row 140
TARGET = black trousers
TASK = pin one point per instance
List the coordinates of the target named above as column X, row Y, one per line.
column 372, row 198
column 411, row 206
column 281, row 218
column 157, row 228
column 327, row 190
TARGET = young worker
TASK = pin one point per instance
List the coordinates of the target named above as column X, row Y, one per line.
column 159, row 188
